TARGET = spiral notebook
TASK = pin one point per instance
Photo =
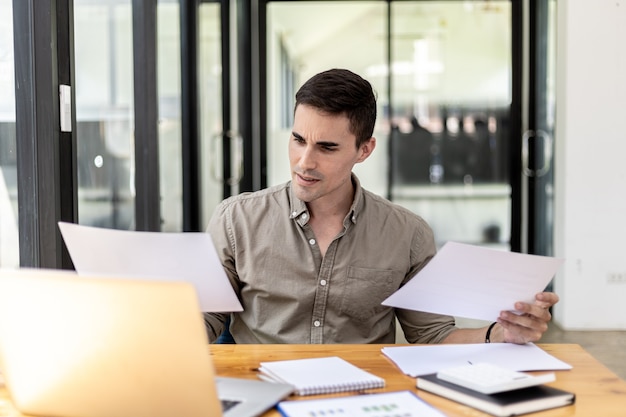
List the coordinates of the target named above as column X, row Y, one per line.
column 324, row 375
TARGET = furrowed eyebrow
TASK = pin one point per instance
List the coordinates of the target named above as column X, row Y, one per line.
column 325, row 144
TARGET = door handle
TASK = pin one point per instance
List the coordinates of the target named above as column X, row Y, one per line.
column 236, row 157
column 547, row 153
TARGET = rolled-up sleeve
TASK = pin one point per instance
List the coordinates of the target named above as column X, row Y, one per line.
column 419, row 326
column 422, row 327
column 220, row 230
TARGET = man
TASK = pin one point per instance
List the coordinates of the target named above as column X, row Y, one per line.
column 312, row 260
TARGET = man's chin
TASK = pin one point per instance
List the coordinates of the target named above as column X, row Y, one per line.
column 303, row 194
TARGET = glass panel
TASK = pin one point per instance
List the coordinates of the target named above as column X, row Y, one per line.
column 169, row 92
column 451, row 94
column 450, row 74
column 210, row 107
column 104, row 113
column 9, row 235
column 304, row 38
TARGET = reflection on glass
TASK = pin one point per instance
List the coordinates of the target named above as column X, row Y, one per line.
column 451, row 94
column 304, row 38
column 104, row 113
column 104, row 102
column 9, row 236
column 450, row 80
column 169, row 92
column 210, row 107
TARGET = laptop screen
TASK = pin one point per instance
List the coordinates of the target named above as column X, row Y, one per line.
column 103, row 347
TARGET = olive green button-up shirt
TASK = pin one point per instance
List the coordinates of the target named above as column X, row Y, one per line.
column 291, row 294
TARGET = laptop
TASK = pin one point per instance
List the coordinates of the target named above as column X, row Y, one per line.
column 104, row 347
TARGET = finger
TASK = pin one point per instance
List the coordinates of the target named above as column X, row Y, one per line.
column 543, row 304
column 547, row 299
column 527, row 325
column 539, row 310
column 534, row 323
column 515, row 333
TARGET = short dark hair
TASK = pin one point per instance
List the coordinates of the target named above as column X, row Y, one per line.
column 340, row 91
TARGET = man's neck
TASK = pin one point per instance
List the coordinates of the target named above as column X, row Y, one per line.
column 334, row 208
column 327, row 219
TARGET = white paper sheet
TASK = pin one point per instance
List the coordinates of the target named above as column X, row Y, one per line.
column 189, row 257
column 397, row 403
column 475, row 282
column 422, row 360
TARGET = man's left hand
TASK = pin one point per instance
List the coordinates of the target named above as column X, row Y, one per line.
column 532, row 323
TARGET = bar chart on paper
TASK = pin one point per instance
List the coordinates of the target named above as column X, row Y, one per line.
column 389, row 404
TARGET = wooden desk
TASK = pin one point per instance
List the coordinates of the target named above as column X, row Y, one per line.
column 599, row 392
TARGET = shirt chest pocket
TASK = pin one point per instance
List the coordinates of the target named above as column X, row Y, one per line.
column 364, row 290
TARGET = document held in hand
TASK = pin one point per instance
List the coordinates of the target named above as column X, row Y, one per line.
column 189, row 257
column 475, row 282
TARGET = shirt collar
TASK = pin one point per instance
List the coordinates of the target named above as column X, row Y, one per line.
column 357, row 204
column 297, row 208
column 299, row 211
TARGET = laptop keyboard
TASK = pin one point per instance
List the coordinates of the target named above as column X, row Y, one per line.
column 228, row 404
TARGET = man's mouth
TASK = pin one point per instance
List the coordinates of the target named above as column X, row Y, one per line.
column 305, row 179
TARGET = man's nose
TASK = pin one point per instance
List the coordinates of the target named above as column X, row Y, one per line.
column 307, row 159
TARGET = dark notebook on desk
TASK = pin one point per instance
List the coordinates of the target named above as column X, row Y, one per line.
column 509, row 403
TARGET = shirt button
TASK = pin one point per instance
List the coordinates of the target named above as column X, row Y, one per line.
column 304, row 216
column 317, row 323
column 312, row 241
column 323, row 282
column 293, row 214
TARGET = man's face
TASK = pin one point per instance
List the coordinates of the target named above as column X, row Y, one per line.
column 322, row 152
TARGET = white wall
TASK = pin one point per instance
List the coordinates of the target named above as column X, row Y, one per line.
column 590, row 168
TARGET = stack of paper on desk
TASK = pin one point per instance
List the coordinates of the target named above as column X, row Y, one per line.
column 422, row 360
column 503, row 404
column 475, row 282
column 187, row 257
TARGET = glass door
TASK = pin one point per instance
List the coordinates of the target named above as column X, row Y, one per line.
column 306, row 37
column 190, row 149
column 220, row 146
column 104, row 113
column 442, row 71
column 451, row 66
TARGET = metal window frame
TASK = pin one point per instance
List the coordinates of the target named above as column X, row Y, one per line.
column 46, row 170
column 147, row 183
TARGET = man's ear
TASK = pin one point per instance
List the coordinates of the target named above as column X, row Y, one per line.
column 366, row 149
